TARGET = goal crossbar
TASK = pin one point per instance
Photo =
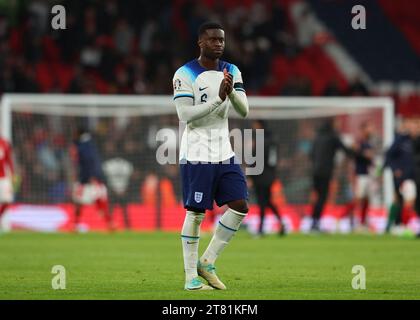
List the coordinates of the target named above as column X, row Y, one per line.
column 155, row 105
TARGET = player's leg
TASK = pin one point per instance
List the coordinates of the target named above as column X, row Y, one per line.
column 122, row 199
column 77, row 215
column 282, row 229
column 349, row 212
column 3, row 208
column 100, row 195
column 197, row 196
column 400, row 202
column 362, row 201
column 364, row 209
column 409, row 193
column 270, row 204
column 316, row 186
column 103, row 208
column 417, row 203
column 79, row 197
column 190, row 236
column 321, row 185
column 266, row 195
column 127, row 223
column 396, row 206
column 6, row 198
column 231, row 190
column 262, row 205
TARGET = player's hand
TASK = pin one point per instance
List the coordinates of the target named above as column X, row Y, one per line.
column 228, row 81
column 222, row 90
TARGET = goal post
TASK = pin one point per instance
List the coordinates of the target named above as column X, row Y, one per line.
column 127, row 126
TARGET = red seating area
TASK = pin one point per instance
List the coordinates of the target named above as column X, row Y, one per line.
column 305, row 71
column 312, row 64
column 408, row 106
column 405, row 14
column 52, row 74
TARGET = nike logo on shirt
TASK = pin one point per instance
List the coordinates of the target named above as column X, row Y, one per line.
column 201, row 89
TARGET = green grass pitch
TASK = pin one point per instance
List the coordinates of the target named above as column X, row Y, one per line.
column 149, row 266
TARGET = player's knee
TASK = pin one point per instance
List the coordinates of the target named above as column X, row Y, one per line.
column 240, row 206
column 195, row 210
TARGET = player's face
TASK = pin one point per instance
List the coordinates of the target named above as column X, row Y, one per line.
column 412, row 128
column 369, row 130
column 408, row 127
column 212, row 43
column 417, row 125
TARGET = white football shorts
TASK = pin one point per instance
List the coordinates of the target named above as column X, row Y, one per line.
column 363, row 186
column 89, row 193
column 408, row 190
column 6, row 190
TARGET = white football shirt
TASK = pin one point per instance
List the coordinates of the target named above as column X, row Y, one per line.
column 205, row 139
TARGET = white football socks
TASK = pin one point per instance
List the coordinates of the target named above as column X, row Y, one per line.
column 190, row 238
column 226, row 228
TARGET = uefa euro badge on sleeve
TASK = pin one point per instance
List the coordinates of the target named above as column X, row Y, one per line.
column 177, row 84
column 198, row 196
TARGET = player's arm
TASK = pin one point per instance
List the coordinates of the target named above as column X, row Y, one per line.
column 340, row 145
column 392, row 152
column 184, row 99
column 239, row 102
column 236, row 93
column 389, row 157
column 187, row 111
column 395, row 148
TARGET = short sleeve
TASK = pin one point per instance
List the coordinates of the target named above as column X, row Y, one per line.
column 182, row 84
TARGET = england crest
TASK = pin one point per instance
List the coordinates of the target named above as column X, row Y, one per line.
column 198, row 196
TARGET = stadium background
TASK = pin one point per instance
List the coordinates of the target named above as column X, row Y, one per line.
column 283, row 48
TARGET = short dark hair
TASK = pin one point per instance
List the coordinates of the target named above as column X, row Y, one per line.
column 208, row 25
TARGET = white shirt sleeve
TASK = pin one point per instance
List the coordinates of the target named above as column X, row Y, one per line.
column 238, row 97
column 239, row 102
column 184, row 100
column 187, row 111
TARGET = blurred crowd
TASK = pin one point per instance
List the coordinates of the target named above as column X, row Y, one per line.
column 47, row 167
column 46, row 158
column 134, row 47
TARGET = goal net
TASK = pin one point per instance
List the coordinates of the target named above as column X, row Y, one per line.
column 126, row 132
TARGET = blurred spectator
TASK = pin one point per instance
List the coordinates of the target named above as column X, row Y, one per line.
column 127, row 46
column 326, row 144
column 263, row 182
column 332, row 89
column 118, row 172
column 297, row 86
column 357, row 88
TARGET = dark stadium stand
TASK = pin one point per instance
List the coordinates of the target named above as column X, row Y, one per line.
column 405, row 15
column 374, row 47
column 118, row 47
